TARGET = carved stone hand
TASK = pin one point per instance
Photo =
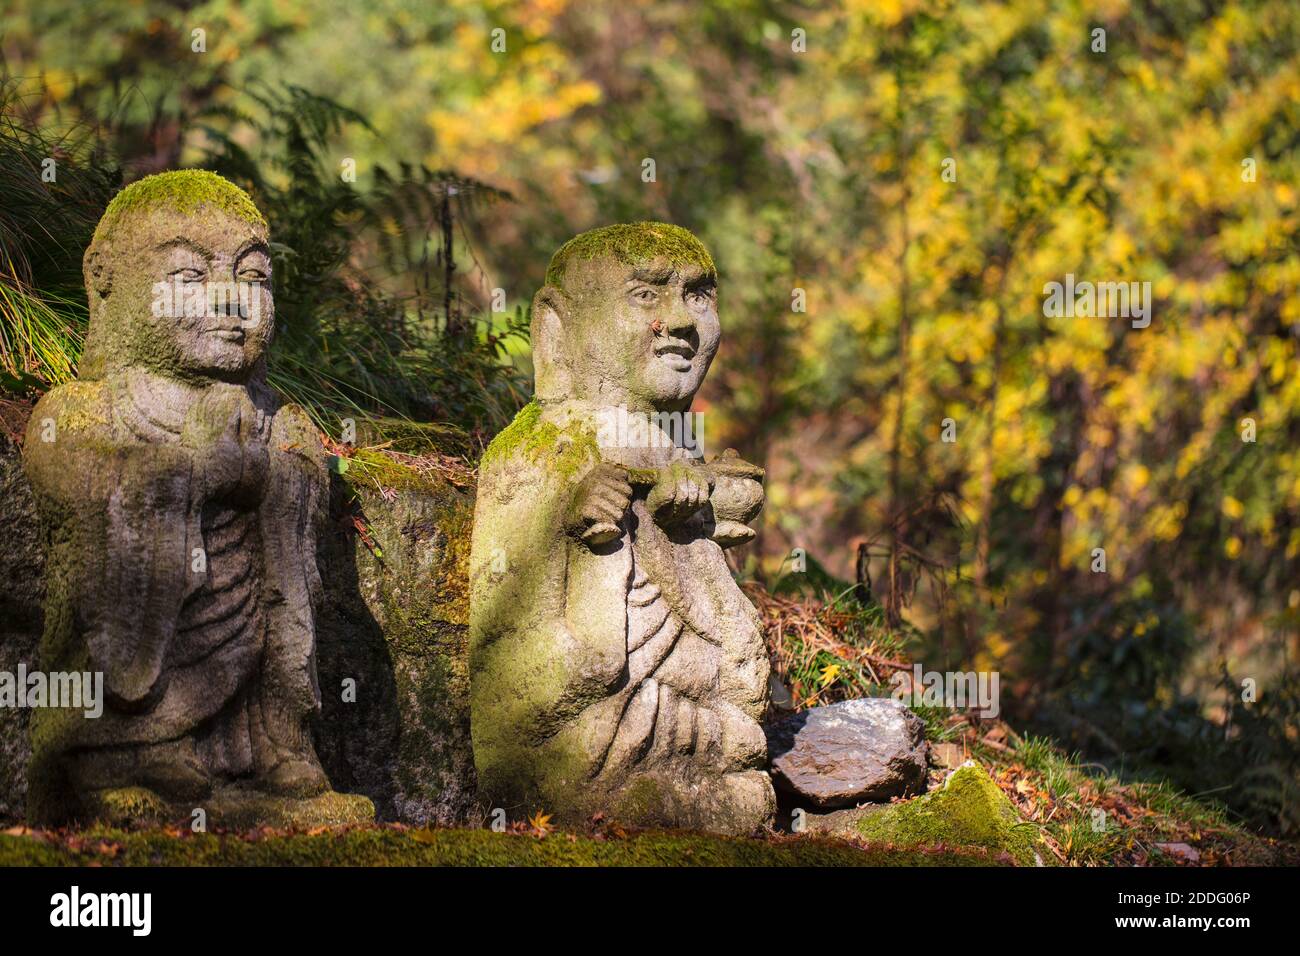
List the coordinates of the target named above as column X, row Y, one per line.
column 682, row 490
column 599, row 504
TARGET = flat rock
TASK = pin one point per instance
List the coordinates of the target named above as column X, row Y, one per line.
column 856, row 751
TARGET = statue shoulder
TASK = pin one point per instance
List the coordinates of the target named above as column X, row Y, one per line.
column 69, row 437
column 292, row 430
column 72, row 409
column 533, row 442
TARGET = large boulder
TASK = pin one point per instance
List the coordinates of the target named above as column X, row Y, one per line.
column 856, row 751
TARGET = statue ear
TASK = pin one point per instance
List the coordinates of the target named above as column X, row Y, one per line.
column 553, row 379
column 97, row 273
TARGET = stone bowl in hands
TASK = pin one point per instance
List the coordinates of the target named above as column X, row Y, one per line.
column 737, row 498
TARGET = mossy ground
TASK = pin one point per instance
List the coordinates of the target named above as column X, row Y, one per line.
column 1082, row 814
column 395, row 846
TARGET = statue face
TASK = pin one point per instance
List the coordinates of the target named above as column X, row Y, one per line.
column 195, row 292
column 642, row 335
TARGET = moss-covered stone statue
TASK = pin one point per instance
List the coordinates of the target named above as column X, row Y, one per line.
column 181, row 507
column 615, row 666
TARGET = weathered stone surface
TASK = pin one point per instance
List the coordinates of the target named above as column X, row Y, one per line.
column 615, row 665
column 395, row 621
column 179, row 505
column 855, row 751
column 22, row 597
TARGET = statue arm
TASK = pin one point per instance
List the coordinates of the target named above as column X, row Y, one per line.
column 291, row 514
column 123, row 522
column 538, row 658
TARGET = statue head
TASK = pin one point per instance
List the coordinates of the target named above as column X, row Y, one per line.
column 179, row 281
column 628, row 317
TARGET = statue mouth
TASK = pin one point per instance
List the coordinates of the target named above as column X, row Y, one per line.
column 676, row 355
column 229, row 335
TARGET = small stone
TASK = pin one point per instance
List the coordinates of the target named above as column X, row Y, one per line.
column 780, row 700
column 856, row 751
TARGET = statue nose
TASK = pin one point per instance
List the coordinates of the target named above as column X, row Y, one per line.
column 680, row 318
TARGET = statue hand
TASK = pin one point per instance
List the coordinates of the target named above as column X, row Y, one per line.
column 599, row 504
column 681, row 491
column 222, row 430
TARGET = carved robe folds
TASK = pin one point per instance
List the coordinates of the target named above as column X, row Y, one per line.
column 188, row 582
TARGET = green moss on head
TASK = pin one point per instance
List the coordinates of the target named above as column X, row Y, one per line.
column 183, row 190
column 632, row 243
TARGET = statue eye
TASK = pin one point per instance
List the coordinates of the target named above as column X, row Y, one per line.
column 189, row 274
column 698, row 299
column 645, row 296
column 251, row 275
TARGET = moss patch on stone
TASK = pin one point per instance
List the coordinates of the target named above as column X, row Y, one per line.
column 183, row 190
column 513, row 435
column 970, row 811
column 632, row 243
column 390, row 846
column 123, row 804
column 245, row 809
column 532, row 438
column 229, row 808
column 367, row 466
